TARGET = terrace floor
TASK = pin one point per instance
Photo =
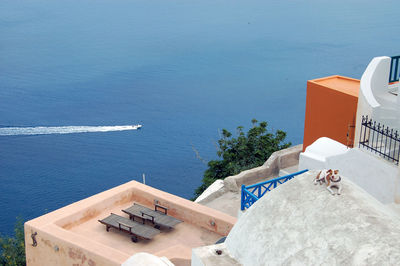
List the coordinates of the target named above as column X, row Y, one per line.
column 171, row 243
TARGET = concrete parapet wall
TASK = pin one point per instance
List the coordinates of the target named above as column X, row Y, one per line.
column 278, row 160
column 215, row 190
column 58, row 242
column 133, row 191
column 56, row 246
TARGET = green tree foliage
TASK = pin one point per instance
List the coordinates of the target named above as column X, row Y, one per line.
column 247, row 150
column 12, row 249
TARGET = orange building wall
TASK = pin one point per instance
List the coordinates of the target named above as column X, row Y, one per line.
column 331, row 107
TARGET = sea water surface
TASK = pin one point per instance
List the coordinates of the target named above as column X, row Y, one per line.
column 183, row 69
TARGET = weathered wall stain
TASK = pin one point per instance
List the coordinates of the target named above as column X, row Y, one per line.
column 46, row 242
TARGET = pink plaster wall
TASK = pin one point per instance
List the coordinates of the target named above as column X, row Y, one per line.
column 57, row 244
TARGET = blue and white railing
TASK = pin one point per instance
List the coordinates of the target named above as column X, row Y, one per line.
column 394, row 69
column 250, row 194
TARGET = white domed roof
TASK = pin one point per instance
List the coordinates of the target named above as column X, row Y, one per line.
column 302, row 223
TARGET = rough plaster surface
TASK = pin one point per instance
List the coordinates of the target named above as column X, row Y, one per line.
column 395, row 208
column 224, row 195
column 324, row 147
column 300, row 223
column 228, row 202
column 216, row 189
column 207, row 256
column 374, row 174
column 145, row 259
column 278, row 160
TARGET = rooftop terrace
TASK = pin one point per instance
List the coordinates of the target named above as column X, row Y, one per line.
column 73, row 235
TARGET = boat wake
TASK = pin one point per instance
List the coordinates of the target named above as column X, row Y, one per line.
column 18, row 131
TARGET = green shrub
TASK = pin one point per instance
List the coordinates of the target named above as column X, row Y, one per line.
column 12, row 249
column 246, row 151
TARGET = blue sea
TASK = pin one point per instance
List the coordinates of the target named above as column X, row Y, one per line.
column 183, row 69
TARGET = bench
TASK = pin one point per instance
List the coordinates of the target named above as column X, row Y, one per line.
column 158, row 217
column 135, row 229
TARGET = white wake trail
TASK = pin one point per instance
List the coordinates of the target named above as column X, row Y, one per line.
column 17, row 131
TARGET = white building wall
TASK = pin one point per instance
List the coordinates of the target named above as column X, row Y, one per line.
column 375, row 175
column 374, row 98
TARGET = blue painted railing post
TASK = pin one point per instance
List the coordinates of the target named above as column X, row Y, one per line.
column 242, row 198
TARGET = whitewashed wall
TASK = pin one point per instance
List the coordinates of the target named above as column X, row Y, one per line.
column 374, row 98
column 375, row 175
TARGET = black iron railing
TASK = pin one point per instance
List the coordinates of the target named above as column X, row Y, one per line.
column 380, row 139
